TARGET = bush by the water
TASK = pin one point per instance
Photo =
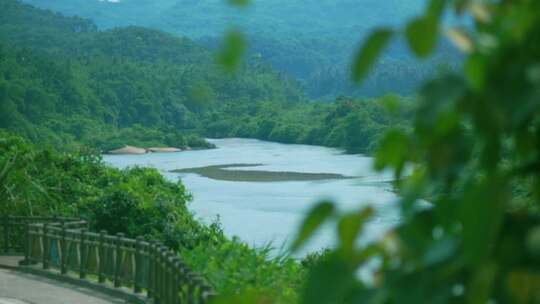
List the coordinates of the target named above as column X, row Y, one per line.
column 138, row 202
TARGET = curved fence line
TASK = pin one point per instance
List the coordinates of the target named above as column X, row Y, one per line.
column 66, row 244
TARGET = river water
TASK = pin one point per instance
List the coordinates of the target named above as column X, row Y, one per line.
column 260, row 213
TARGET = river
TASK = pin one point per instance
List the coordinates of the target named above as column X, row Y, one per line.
column 266, row 212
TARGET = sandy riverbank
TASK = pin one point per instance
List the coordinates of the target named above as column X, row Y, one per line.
column 138, row 150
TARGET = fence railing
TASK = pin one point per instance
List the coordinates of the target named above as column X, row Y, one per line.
column 66, row 244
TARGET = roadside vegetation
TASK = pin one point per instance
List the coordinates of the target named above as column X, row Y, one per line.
column 138, row 202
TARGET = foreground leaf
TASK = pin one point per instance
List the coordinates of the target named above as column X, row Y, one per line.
column 316, row 217
column 349, row 228
column 239, row 3
column 328, row 282
column 421, row 35
column 369, row 53
column 232, row 51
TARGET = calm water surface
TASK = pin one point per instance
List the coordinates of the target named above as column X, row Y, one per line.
column 263, row 212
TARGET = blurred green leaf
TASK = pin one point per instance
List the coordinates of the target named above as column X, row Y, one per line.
column 328, row 282
column 200, row 95
column 349, row 228
column 524, row 286
column 391, row 103
column 239, row 3
column 460, row 5
column 392, row 150
column 533, row 241
column 422, row 34
column 482, row 211
column 316, row 217
column 435, row 8
column 232, row 51
column 479, row 288
column 440, row 251
column 370, row 51
column 474, row 71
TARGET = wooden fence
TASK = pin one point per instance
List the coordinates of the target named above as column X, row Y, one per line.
column 66, row 244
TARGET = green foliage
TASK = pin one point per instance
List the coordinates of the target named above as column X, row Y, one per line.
column 355, row 125
column 313, row 220
column 232, row 267
column 421, row 35
column 137, row 202
column 63, row 81
column 422, row 32
column 473, row 151
column 45, row 182
column 232, row 51
column 140, row 87
column 372, row 49
column 239, row 3
column 310, row 40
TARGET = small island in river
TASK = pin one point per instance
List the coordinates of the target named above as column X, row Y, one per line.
column 227, row 173
column 138, row 150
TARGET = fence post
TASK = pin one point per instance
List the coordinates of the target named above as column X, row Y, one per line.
column 191, row 295
column 168, row 281
column 164, row 274
column 118, row 262
column 197, row 283
column 28, row 245
column 138, row 265
column 102, row 256
column 152, row 266
column 6, row 221
column 183, row 283
column 174, row 275
column 63, row 249
column 176, row 280
column 46, row 244
column 158, row 270
column 82, row 248
column 207, row 293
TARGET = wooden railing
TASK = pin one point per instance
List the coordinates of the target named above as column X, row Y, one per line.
column 66, row 244
column 13, row 229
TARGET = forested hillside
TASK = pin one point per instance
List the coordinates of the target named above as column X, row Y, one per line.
column 309, row 40
column 65, row 81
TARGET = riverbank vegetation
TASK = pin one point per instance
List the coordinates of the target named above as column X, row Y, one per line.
column 352, row 124
column 138, row 202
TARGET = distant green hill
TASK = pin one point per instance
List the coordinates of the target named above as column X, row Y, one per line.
column 312, row 40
